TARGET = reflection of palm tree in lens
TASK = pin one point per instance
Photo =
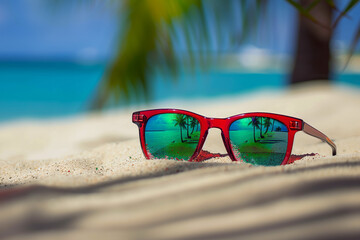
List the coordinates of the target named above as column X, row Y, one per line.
column 180, row 120
column 187, row 118
column 255, row 123
column 267, row 124
column 273, row 124
column 261, row 126
column 193, row 123
column 278, row 129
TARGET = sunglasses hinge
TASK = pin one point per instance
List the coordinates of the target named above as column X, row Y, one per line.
column 295, row 125
column 138, row 118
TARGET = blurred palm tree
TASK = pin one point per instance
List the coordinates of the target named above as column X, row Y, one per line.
column 152, row 28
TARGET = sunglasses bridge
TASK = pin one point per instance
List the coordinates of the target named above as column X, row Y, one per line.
column 216, row 122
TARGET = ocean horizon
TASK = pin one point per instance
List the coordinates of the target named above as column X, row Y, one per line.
column 58, row 89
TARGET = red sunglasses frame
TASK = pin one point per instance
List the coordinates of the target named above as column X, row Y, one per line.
column 294, row 125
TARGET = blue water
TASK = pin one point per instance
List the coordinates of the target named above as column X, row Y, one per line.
column 51, row 89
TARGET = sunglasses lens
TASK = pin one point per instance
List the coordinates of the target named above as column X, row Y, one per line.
column 172, row 136
column 259, row 140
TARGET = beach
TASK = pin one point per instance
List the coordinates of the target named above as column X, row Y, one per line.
column 85, row 176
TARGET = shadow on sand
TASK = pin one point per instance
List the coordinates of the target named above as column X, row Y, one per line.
column 35, row 222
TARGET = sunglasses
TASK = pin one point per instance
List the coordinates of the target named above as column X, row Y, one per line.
column 257, row 138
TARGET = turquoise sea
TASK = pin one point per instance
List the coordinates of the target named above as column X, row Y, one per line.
column 52, row 89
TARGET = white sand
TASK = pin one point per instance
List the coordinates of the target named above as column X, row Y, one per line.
column 86, row 177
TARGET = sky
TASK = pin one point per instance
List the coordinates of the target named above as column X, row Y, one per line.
column 40, row 28
column 43, row 29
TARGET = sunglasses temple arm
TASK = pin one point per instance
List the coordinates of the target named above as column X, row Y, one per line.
column 316, row 133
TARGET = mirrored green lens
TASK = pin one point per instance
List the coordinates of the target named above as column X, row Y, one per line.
column 259, row 140
column 172, row 136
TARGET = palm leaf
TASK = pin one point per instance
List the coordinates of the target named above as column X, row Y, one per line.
column 148, row 38
column 312, row 5
column 306, row 11
column 145, row 42
column 348, row 7
column 332, row 5
column 152, row 30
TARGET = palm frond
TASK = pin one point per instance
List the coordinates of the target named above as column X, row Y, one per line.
column 153, row 30
column 145, row 44
column 343, row 13
column 149, row 37
column 306, row 11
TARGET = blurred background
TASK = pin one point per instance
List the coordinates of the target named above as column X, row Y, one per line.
column 60, row 58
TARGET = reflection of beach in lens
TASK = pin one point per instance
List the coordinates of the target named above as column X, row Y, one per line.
column 172, row 136
column 259, row 140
